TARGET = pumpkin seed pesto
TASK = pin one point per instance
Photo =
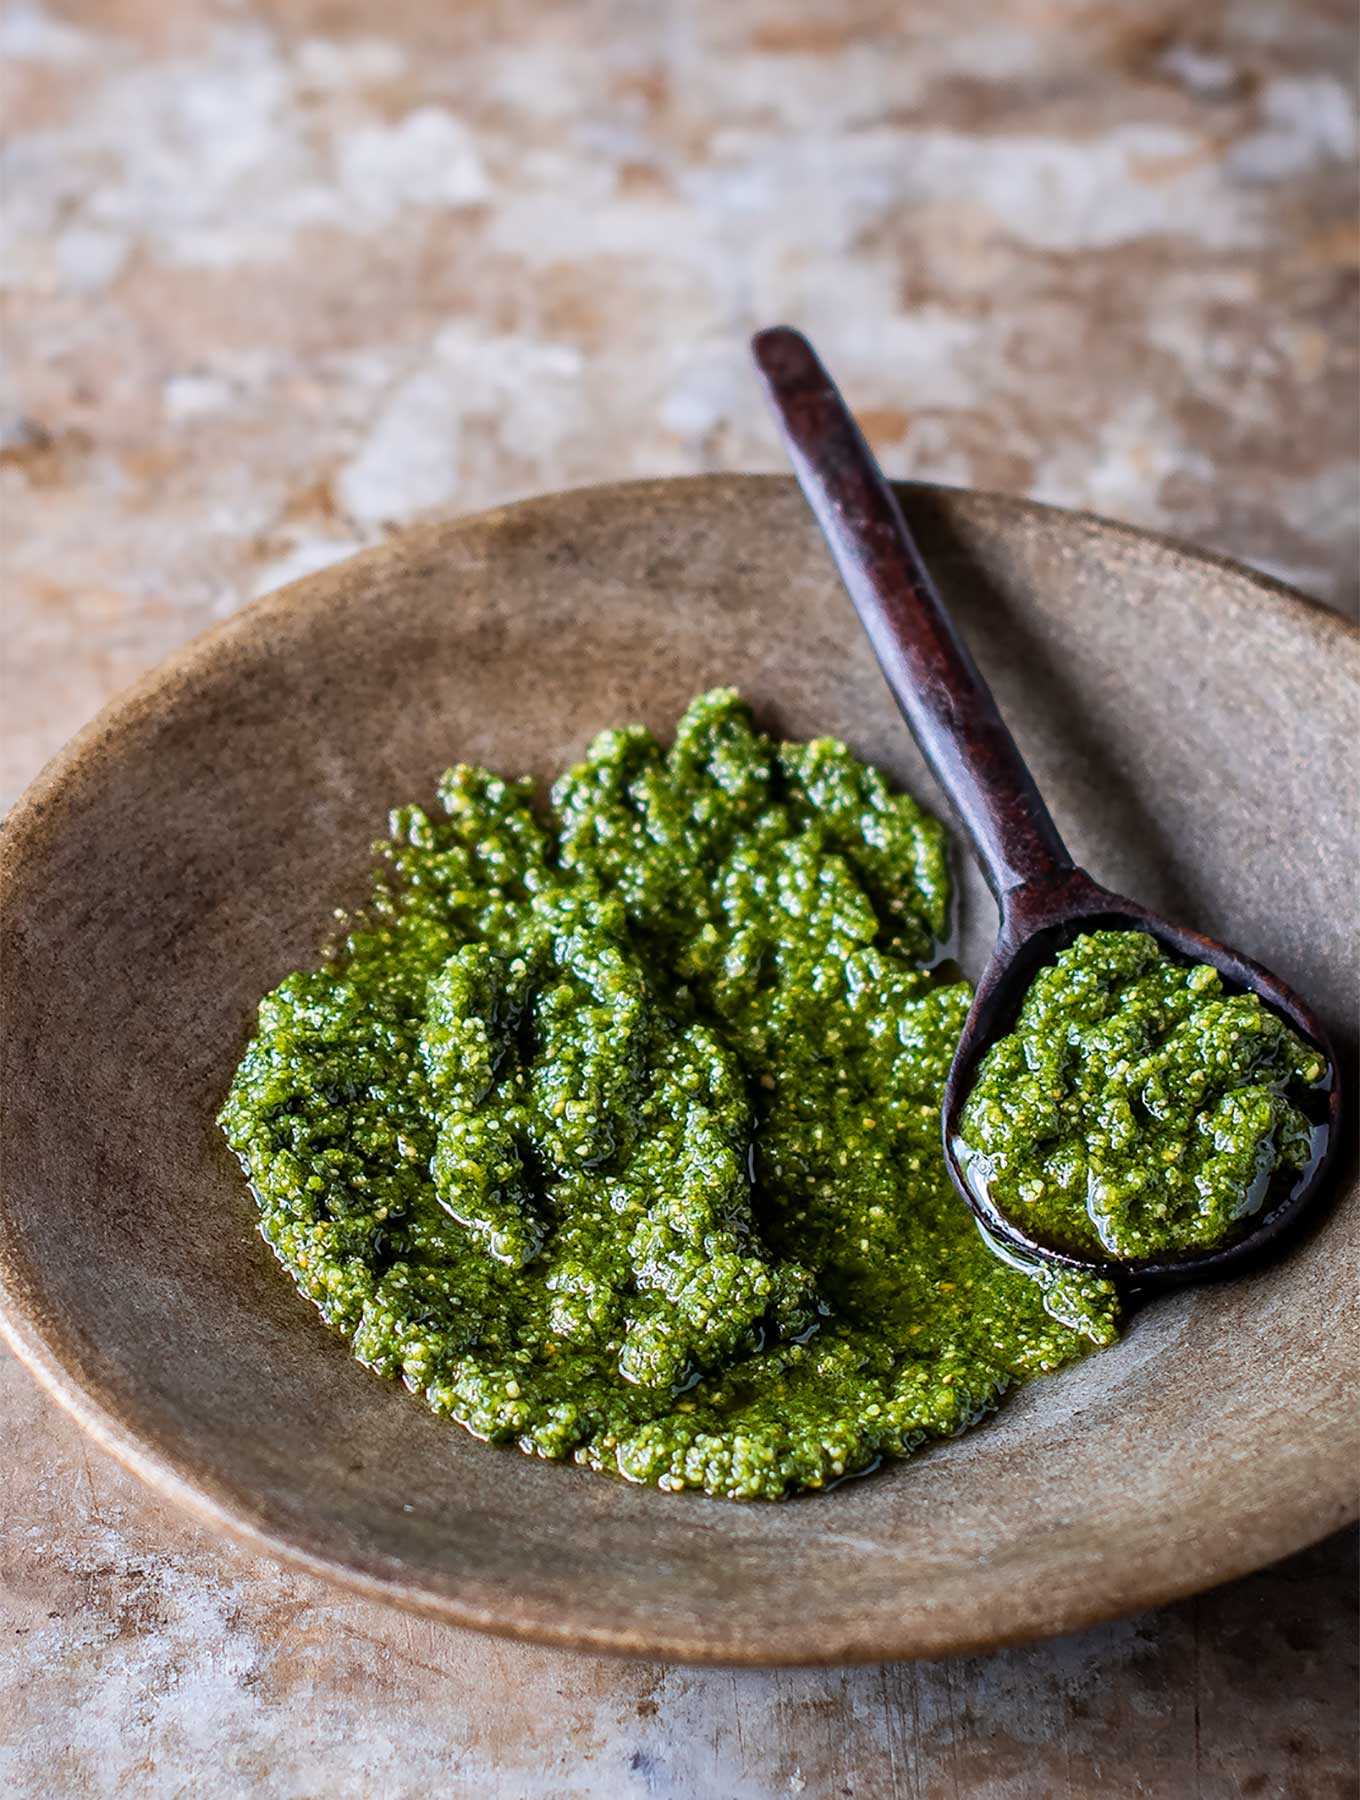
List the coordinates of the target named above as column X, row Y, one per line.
column 617, row 1134
column 1137, row 1109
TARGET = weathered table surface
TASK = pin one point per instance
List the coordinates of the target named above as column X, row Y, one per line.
column 285, row 274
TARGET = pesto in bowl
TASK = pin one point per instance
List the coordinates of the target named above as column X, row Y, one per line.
column 614, row 1132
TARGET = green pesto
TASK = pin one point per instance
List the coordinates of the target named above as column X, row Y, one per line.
column 615, row 1134
column 1137, row 1110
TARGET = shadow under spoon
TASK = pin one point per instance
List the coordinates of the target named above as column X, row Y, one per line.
column 1044, row 899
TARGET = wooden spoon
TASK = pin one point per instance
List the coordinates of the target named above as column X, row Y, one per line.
column 1045, row 901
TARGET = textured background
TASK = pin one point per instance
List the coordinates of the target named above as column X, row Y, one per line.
column 283, row 275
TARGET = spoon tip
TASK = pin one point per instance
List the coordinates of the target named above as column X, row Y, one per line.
column 777, row 349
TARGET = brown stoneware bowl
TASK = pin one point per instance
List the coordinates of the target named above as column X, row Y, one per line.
column 1191, row 724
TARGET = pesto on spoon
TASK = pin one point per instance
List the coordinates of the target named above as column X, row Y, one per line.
column 1255, row 1128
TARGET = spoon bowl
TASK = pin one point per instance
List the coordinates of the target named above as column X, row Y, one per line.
column 1045, row 900
column 1042, row 918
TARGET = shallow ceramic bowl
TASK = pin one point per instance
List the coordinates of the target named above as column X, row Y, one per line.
column 1189, row 722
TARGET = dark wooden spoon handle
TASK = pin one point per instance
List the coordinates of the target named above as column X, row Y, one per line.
column 929, row 668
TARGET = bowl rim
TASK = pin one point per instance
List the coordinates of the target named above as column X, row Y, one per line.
column 38, row 1344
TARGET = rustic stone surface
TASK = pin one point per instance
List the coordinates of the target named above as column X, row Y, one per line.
column 286, row 275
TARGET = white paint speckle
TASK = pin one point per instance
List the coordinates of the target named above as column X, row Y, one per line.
column 1199, row 71
column 29, row 33
column 361, row 62
column 706, row 390
column 195, row 396
column 89, row 258
column 409, row 461
column 428, row 159
column 1308, row 120
column 1137, row 181
column 210, row 162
